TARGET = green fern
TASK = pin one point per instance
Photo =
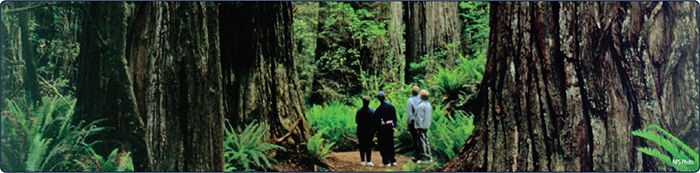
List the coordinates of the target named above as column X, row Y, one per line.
column 318, row 150
column 461, row 80
column 676, row 148
column 247, row 150
column 42, row 138
column 340, row 121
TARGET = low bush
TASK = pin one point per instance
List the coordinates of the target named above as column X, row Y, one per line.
column 42, row 138
column 319, row 149
column 247, row 150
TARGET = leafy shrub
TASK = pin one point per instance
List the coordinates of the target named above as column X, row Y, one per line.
column 244, row 151
column 340, row 121
column 448, row 133
column 475, row 27
column 671, row 144
column 352, row 40
column 42, row 139
column 318, row 150
column 461, row 80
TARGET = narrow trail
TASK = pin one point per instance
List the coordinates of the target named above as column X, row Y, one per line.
column 350, row 161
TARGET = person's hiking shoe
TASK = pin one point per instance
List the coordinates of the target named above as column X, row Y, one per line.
column 363, row 163
column 370, row 164
column 393, row 164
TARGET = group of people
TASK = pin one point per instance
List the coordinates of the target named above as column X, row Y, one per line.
column 382, row 121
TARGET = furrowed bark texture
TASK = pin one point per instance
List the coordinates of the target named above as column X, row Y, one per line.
column 175, row 61
column 567, row 82
column 430, row 26
column 103, row 84
column 260, row 81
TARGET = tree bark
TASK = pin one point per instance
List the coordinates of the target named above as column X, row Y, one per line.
column 175, row 61
column 31, row 84
column 260, row 78
column 430, row 26
column 566, row 83
column 103, row 86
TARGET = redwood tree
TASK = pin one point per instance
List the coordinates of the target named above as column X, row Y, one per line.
column 430, row 26
column 259, row 76
column 152, row 70
column 174, row 61
column 103, row 85
column 567, row 82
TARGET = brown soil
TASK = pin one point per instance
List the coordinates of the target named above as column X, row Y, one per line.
column 350, row 162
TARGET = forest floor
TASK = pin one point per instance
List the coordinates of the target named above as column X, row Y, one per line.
column 350, row 162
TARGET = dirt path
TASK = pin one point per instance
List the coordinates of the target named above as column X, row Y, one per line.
column 350, row 162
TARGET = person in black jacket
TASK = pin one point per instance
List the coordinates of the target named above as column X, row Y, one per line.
column 365, row 131
column 386, row 116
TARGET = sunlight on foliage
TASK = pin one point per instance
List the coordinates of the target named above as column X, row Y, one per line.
column 247, row 150
column 682, row 157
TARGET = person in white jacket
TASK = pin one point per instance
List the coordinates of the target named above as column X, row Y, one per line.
column 422, row 124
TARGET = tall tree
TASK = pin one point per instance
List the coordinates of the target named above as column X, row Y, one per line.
column 31, row 84
column 430, row 26
column 566, row 83
column 174, row 59
column 103, row 84
column 260, row 79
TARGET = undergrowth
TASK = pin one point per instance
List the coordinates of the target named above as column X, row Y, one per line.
column 319, row 150
column 247, row 150
column 42, row 138
column 676, row 153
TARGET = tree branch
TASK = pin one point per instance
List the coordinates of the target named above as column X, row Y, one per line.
column 278, row 140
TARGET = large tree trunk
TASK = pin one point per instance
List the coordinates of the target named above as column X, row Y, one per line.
column 103, row 85
column 260, row 78
column 175, row 63
column 566, row 83
column 31, row 84
column 430, row 26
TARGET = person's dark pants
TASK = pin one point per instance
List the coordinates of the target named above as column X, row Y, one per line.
column 386, row 144
column 416, row 140
column 365, row 139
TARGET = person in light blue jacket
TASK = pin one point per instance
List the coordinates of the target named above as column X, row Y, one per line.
column 422, row 124
column 410, row 118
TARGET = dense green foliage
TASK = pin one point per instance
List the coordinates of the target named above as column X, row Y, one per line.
column 339, row 119
column 460, row 81
column 53, row 30
column 681, row 157
column 351, row 50
column 475, row 24
column 305, row 31
column 248, row 150
column 42, row 138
